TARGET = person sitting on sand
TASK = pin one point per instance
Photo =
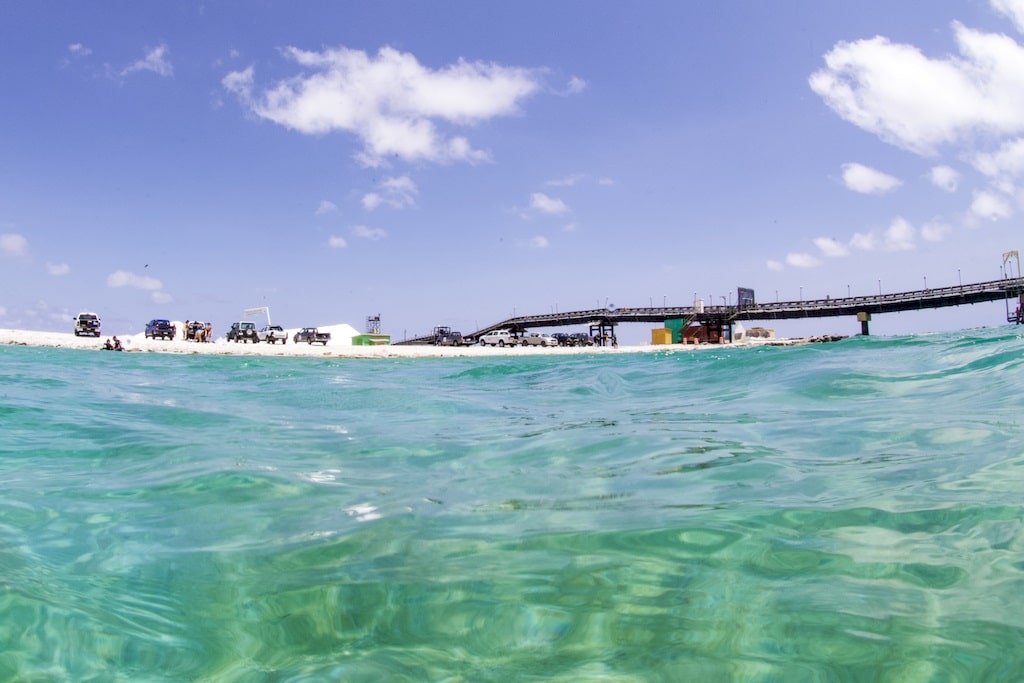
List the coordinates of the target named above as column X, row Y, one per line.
column 117, row 344
column 107, row 345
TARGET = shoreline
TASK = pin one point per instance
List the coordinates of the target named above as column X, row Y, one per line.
column 333, row 349
column 140, row 344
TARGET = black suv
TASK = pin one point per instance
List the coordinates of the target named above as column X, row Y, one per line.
column 243, row 331
column 160, row 328
column 581, row 339
column 563, row 338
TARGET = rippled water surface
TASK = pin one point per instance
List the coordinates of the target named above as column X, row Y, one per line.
column 845, row 511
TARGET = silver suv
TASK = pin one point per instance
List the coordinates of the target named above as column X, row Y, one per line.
column 537, row 339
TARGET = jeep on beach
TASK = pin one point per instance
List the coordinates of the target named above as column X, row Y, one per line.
column 271, row 334
column 311, row 335
column 243, row 331
column 87, row 324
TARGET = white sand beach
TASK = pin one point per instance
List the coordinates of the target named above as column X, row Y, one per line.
column 339, row 346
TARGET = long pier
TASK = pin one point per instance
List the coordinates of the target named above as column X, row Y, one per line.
column 862, row 307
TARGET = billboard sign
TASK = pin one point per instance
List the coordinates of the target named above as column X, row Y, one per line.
column 744, row 297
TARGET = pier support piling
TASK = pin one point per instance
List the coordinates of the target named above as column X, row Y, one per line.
column 864, row 317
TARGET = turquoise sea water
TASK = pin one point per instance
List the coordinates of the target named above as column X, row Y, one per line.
column 831, row 512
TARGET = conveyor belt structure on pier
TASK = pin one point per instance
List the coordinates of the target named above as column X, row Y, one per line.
column 920, row 299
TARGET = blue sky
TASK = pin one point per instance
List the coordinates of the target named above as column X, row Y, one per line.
column 458, row 163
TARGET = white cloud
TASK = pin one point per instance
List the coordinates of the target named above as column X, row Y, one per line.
column 945, row 178
column 390, row 101
column 336, row 242
column 397, row 192
column 368, row 233
column 830, row 247
column 122, row 278
column 990, row 206
column 864, row 241
column 900, row 235
column 566, row 181
column 801, row 260
column 240, row 83
column 935, row 231
column 401, row 184
column 866, row 180
column 538, row 242
column 775, row 265
column 917, row 103
column 79, row 50
column 161, row 298
column 546, row 204
column 968, row 104
column 13, row 244
column 1014, row 9
column 1008, row 160
column 326, row 207
column 58, row 269
column 156, row 60
column 576, row 85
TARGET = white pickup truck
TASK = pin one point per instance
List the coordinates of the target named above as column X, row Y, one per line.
column 271, row 334
column 498, row 338
column 87, row 324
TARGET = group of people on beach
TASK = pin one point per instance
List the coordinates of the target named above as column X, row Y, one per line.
column 114, row 345
column 198, row 331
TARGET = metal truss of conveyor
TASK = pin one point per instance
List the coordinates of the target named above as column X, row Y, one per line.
column 718, row 316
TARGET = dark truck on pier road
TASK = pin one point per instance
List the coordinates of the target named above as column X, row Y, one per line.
column 445, row 336
column 311, row 335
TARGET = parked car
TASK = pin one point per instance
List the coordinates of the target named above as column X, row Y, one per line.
column 537, row 339
column 581, row 339
column 242, row 331
column 87, row 324
column 159, row 327
column 563, row 338
column 498, row 338
column 271, row 334
column 311, row 335
column 445, row 336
